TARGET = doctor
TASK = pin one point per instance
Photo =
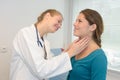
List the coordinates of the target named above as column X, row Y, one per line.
column 31, row 59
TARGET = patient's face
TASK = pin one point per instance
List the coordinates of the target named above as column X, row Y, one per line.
column 81, row 26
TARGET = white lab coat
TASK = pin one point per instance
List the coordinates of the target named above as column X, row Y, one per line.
column 28, row 61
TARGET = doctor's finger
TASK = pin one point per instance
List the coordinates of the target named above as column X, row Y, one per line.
column 83, row 41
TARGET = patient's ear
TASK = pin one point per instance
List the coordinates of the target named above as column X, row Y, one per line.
column 93, row 27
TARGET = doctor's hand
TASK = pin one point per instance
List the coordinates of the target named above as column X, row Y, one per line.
column 77, row 46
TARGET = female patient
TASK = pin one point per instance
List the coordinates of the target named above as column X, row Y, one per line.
column 90, row 64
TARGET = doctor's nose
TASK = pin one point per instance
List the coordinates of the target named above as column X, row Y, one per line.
column 59, row 25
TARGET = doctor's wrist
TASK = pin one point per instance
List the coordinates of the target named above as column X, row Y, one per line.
column 70, row 53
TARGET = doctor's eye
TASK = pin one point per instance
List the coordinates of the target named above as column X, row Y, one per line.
column 60, row 22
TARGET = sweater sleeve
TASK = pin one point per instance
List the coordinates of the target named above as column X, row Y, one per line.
column 99, row 67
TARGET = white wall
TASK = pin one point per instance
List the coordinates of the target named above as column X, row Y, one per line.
column 15, row 14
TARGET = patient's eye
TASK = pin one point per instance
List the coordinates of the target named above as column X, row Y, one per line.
column 79, row 20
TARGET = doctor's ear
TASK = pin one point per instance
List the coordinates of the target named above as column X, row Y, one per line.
column 93, row 27
column 47, row 15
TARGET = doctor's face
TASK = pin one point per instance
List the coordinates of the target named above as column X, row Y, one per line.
column 81, row 26
column 55, row 22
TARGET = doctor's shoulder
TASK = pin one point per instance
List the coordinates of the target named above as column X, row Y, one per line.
column 25, row 31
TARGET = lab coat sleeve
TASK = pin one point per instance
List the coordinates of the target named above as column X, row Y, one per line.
column 34, row 60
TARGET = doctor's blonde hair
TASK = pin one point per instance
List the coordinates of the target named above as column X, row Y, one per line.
column 52, row 12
